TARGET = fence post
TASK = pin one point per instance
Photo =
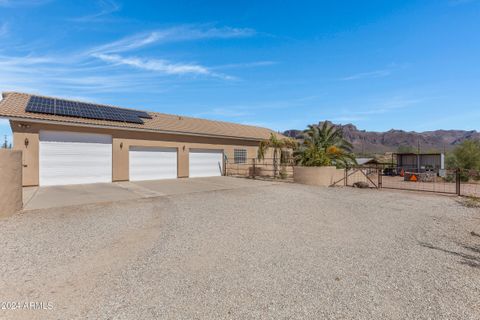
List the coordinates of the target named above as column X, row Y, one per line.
column 254, row 168
column 458, row 182
column 380, row 181
column 275, row 168
column 345, row 182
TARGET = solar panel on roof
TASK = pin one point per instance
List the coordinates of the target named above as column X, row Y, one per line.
column 142, row 114
column 84, row 110
column 41, row 105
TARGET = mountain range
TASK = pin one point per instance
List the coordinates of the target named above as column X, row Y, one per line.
column 372, row 142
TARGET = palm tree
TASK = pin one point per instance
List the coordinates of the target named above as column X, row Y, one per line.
column 325, row 145
column 280, row 147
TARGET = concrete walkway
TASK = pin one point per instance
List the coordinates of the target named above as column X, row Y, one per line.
column 63, row 196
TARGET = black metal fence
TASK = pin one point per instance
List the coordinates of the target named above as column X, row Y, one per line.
column 438, row 181
column 362, row 176
column 449, row 181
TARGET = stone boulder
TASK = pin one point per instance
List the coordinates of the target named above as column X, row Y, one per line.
column 361, row 185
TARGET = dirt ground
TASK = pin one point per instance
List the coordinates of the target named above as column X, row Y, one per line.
column 280, row 251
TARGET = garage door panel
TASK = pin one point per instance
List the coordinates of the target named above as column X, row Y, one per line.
column 74, row 158
column 59, row 179
column 152, row 163
column 205, row 162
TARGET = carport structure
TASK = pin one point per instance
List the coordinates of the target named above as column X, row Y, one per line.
column 70, row 142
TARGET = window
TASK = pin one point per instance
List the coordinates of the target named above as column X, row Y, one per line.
column 240, row 156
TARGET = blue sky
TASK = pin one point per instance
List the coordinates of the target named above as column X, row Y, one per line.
column 412, row 65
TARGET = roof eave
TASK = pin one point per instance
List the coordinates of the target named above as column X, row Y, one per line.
column 416, row 154
column 85, row 125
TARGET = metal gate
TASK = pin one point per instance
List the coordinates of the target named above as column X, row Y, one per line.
column 437, row 181
column 450, row 181
column 360, row 176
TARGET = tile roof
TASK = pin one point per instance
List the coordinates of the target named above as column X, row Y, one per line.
column 14, row 103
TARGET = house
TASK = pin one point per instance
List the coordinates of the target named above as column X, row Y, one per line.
column 420, row 162
column 72, row 142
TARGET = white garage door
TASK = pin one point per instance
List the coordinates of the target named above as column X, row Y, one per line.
column 74, row 158
column 152, row 163
column 206, row 163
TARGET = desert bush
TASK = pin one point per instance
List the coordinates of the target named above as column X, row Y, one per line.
column 466, row 157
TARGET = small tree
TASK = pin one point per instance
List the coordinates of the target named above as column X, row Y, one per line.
column 465, row 156
column 280, row 147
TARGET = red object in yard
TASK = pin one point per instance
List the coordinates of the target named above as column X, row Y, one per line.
column 402, row 173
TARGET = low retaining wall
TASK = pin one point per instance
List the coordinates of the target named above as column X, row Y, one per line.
column 10, row 182
column 317, row 176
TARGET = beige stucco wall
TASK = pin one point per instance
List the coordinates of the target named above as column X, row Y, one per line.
column 121, row 156
column 122, row 141
column 327, row 176
column 27, row 142
column 10, row 182
column 317, row 176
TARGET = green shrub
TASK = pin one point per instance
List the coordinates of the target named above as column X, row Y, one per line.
column 465, row 156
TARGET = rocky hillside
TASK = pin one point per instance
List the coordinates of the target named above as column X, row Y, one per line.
column 380, row 142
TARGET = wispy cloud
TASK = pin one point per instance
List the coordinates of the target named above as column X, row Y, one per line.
column 246, row 65
column 72, row 76
column 390, row 104
column 20, row 3
column 174, row 34
column 248, row 113
column 368, row 75
column 154, row 65
column 12, row 62
column 110, row 52
column 367, row 110
column 107, row 7
column 237, row 110
column 131, row 43
column 163, row 66
column 109, row 69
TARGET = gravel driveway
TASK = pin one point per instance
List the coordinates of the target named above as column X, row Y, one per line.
column 261, row 252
